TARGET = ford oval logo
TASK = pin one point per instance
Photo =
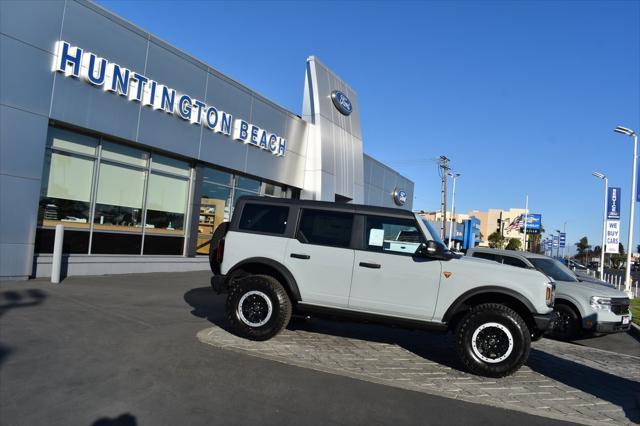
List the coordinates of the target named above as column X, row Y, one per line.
column 341, row 102
column 399, row 196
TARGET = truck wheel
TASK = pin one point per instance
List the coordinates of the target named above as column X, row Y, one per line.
column 567, row 324
column 258, row 307
column 492, row 340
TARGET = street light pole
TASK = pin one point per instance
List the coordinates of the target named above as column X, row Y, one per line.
column 632, row 199
column 564, row 231
column 604, row 221
column 455, row 176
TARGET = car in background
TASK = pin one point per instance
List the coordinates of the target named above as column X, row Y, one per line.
column 582, row 306
column 572, row 264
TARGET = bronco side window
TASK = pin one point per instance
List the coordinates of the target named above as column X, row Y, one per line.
column 392, row 235
column 325, row 228
column 264, row 218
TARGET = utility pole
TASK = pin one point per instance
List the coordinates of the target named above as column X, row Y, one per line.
column 443, row 169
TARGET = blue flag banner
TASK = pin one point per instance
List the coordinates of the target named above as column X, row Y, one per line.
column 563, row 239
column 613, row 203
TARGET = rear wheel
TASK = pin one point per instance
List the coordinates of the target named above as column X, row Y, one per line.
column 492, row 340
column 567, row 323
column 258, row 307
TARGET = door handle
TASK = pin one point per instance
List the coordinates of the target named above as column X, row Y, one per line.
column 370, row 265
column 300, row 256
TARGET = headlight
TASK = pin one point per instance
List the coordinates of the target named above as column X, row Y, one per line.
column 601, row 303
column 550, row 293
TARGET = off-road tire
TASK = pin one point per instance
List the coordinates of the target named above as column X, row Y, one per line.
column 567, row 324
column 477, row 321
column 261, row 286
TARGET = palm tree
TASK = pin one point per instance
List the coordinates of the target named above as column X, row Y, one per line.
column 583, row 247
column 496, row 240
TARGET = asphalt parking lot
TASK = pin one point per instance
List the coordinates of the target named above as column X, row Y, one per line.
column 150, row 350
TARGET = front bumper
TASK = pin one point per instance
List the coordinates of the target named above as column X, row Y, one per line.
column 219, row 283
column 611, row 327
column 544, row 322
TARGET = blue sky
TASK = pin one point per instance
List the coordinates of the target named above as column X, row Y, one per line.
column 522, row 96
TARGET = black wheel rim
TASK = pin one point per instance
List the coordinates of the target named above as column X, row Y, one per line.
column 254, row 308
column 492, row 342
column 563, row 324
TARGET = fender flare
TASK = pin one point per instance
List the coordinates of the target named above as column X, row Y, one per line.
column 290, row 282
column 572, row 301
column 462, row 299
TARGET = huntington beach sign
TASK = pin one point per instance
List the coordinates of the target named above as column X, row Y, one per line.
column 73, row 61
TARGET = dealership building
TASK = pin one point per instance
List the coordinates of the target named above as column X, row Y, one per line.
column 140, row 150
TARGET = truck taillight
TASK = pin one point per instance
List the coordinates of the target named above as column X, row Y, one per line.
column 220, row 251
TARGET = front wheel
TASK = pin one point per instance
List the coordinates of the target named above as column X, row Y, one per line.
column 492, row 340
column 258, row 307
column 567, row 324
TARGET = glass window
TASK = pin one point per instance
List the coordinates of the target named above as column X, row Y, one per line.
column 488, row 256
column 156, row 244
column 66, row 190
column 116, row 243
column 124, row 154
column 507, row 260
column 73, row 178
column 119, row 198
column 64, row 139
column 74, row 241
column 166, row 204
column 273, row 190
column 248, row 184
column 392, row 235
column 215, row 206
column 554, row 269
column 435, row 235
column 264, row 218
column 217, row 176
column 170, row 165
column 326, row 228
column 239, row 193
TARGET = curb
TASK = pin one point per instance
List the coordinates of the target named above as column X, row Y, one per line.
column 635, row 331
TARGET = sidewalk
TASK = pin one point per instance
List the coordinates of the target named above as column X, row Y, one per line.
column 561, row 380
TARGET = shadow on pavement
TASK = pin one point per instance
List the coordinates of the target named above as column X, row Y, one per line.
column 122, row 420
column 618, row 390
column 12, row 299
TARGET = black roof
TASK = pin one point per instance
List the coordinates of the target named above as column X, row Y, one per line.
column 328, row 205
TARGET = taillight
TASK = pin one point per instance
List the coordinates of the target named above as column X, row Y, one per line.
column 220, row 251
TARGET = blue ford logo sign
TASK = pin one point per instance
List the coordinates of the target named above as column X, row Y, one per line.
column 341, row 102
column 399, row 196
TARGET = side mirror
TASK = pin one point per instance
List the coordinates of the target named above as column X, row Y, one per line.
column 430, row 249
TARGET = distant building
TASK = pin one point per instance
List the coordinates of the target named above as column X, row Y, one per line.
column 495, row 219
column 465, row 232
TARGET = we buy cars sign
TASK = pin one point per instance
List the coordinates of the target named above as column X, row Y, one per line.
column 613, row 236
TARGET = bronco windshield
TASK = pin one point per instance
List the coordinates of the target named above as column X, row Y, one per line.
column 554, row 269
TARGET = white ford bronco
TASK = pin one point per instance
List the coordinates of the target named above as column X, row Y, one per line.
column 279, row 256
